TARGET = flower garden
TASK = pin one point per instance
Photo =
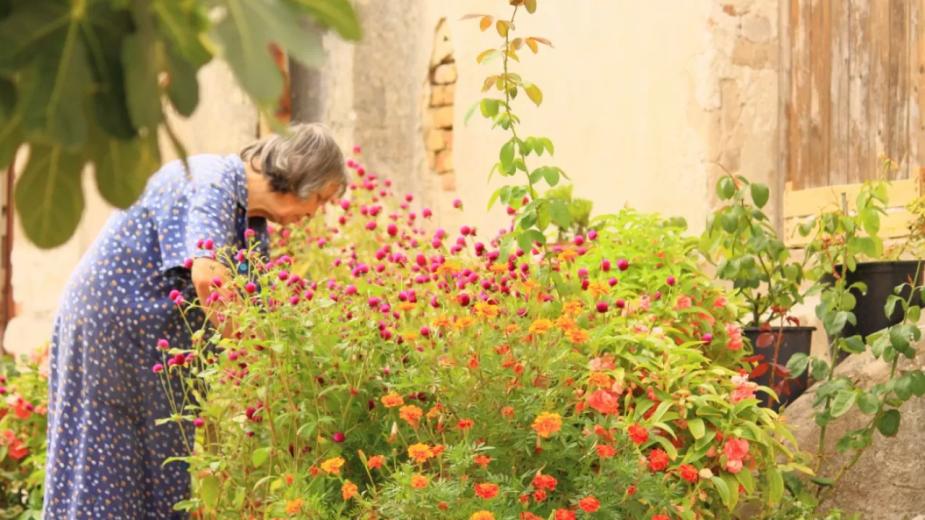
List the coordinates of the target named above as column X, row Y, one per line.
column 574, row 365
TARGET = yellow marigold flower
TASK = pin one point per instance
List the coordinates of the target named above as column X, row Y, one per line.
column 577, row 336
column 333, row 465
column 598, row 288
column 529, row 285
column 294, row 506
column 511, row 328
column 486, row 310
column 547, row 423
column 447, row 268
column 420, row 452
column 572, row 308
column 463, row 322
column 565, row 323
column 540, row 326
column 409, row 336
column 567, row 255
column 391, row 400
column 599, row 380
column 442, row 321
column 482, row 515
column 498, row 268
column 435, row 411
column 418, row 481
column 411, row 413
column 348, row 490
column 406, row 306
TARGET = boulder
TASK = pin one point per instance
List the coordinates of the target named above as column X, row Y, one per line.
column 887, row 481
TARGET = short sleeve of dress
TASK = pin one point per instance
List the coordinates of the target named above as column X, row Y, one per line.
column 204, row 220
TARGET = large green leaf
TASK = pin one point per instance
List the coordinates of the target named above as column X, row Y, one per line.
column 338, row 14
column 182, row 24
column 28, row 28
column 49, row 198
column 123, row 167
column 246, row 31
column 139, row 60
column 183, row 89
column 888, row 423
column 54, row 88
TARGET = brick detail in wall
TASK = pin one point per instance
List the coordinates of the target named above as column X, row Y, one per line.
column 438, row 117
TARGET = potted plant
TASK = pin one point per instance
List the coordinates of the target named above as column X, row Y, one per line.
column 851, row 239
column 743, row 245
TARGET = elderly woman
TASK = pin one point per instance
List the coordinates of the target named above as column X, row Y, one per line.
column 105, row 453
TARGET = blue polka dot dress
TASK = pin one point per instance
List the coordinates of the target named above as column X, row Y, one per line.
column 105, row 453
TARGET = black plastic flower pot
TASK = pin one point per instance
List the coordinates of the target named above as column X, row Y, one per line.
column 788, row 341
column 880, row 278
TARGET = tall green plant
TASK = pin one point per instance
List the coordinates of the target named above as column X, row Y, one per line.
column 86, row 81
column 534, row 214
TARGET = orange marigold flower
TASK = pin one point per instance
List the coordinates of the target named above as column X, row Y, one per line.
column 411, row 414
column 589, row 504
column 434, row 411
column 463, row 322
column 482, row 515
column 565, row 514
column 540, row 326
column 348, row 490
column 406, row 306
column 482, row 460
column 599, row 380
column 375, row 462
column 546, row 424
column 566, row 323
column 486, row 310
column 442, row 321
column 419, row 481
column 567, row 255
column 465, row 424
column 391, row 400
column 511, row 328
column 332, row 465
column 487, row 490
column 289, row 478
column 572, row 308
column 420, row 452
column 438, row 449
column 507, row 412
column 577, row 336
column 527, row 515
column 548, row 482
column 605, row 451
column 294, row 506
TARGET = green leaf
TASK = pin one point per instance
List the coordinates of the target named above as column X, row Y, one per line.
column 843, row 402
column 775, row 486
column 534, row 93
column 139, row 61
column 260, row 456
column 723, row 490
column 181, row 24
column 888, row 423
column 868, row 403
column 526, row 239
column 797, row 364
column 542, row 215
column 548, row 145
column 7, row 99
column 507, row 155
column 530, row 5
column 123, row 167
column 49, row 198
column 53, row 91
column 760, row 194
column 819, row 369
column 696, row 426
column 489, row 107
column 560, row 214
column 898, row 338
column 747, row 480
column 183, row 89
column 245, row 34
column 853, row 344
column 871, row 221
column 338, row 14
column 918, row 383
column 210, row 490
column 725, row 187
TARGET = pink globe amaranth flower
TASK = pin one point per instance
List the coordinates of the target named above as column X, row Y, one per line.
column 174, row 294
column 602, row 307
column 612, row 281
column 425, row 331
column 179, row 300
column 361, row 171
column 623, row 264
column 392, row 230
column 308, row 295
column 357, row 149
column 426, row 213
column 371, row 225
column 457, row 204
column 294, row 300
column 671, row 281
column 283, row 275
column 592, row 234
column 585, row 283
column 409, row 197
column 199, row 422
column 208, row 244
column 350, row 290
column 163, row 344
column 579, row 240
column 188, row 263
column 216, row 282
column 582, row 272
column 605, row 265
column 157, row 368
column 620, row 303
column 707, row 338
column 373, row 302
column 338, row 437
column 464, row 299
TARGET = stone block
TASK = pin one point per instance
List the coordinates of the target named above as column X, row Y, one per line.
column 435, row 140
column 448, row 181
column 444, row 161
column 442, row 117
column 445, row 74
column 442, row 95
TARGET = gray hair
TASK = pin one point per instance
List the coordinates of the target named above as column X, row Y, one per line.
column 301, row 162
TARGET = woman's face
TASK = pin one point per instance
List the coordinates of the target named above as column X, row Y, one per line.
column 287, row 208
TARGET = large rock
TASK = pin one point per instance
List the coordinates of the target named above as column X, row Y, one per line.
column 887, row 482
